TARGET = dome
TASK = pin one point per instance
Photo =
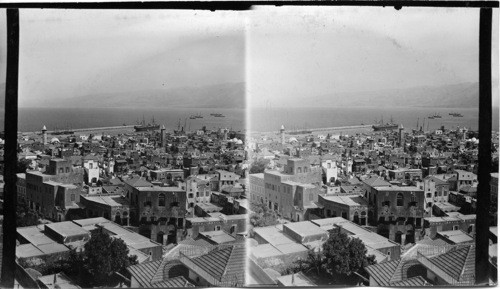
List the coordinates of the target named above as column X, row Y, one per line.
column 54, row 139
column 292, row 139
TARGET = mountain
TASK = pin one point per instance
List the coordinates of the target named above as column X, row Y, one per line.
column 228, row 95
column 464, row 95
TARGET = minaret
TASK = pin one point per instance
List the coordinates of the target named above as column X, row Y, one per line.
column 282, row 134
column 401, row 135
column 44, row 133
column 162, row 136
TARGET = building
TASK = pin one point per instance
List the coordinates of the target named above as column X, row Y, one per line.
column 114, row 207
column 91, row 166
column 256, row 188
column 353, row 208
column 330, row 170
column 50, row 242
column 57, row 191
column 158, row 211
column 398, row 211
column 294, row 192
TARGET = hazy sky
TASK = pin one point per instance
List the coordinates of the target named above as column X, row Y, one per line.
column 301, row 52
column 66, row 53
column 281, row 52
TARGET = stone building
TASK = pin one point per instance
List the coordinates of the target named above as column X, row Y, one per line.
column 397, row 211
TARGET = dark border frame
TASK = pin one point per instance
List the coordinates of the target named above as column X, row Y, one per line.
column 11, row 104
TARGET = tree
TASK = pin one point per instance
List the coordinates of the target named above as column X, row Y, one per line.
column 345, row 257
column 258, row 166
column 25, row 216
column 262, row 216
column 104, row 255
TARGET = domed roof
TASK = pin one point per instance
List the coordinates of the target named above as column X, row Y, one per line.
column 54, row 139
column 44, row 128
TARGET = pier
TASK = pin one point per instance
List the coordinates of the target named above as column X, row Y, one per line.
column 90, row 129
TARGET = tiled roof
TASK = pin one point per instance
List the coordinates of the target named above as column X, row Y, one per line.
column 414, row 281
column 398, row 273
column 457, row 263
column 144, row 273
column 226, row 261
column 383, row 272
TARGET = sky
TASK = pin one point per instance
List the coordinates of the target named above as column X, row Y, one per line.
column 281, row 53
column 300, row 52
column 67, row 53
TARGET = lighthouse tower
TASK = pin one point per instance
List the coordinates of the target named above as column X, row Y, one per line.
column 282, row 134
column 44, row 133
column 401, row 135
column 162, row 136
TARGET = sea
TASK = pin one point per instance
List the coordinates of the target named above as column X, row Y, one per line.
column 271, row 119
column 261, row 119
column 33, row 119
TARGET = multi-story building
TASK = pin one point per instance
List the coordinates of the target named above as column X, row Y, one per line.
column 198, row 190
column 330, row 170
column 91, row 166
column 398, row 211
column 293, row 192
column 159, row 212
column 352, row 207
column 256, row 189
column 465, row 178
column 21, row 186
column 57, row 191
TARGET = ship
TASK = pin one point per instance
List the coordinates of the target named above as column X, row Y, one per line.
column 217, row 115
column 387, row 126
column 437, row 115
column 62, row 132
column 456, row 114
column 295, row 132
column 147, row 127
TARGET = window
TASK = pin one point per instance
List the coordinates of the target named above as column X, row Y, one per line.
column 91, row 165
column 67, row 169
column 72, row 197
column 161, row 200
column 217, row 228
column 455, row 227
column 399, row 200
column 299, row 170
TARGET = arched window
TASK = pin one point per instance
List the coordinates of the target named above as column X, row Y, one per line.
column 399, row 200
column 299, row 170
column 161, row 200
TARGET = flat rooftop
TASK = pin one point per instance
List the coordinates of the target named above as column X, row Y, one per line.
column 305, row 228
column 111, row 201
column 351, row 201
column 273, row 235
column 398, row 188
column 66, row 229
column 456, row 236
column 218, row 237
column 159, row 189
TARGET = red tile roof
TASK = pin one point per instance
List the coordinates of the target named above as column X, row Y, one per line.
column 145, row 272
column 458, row 263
